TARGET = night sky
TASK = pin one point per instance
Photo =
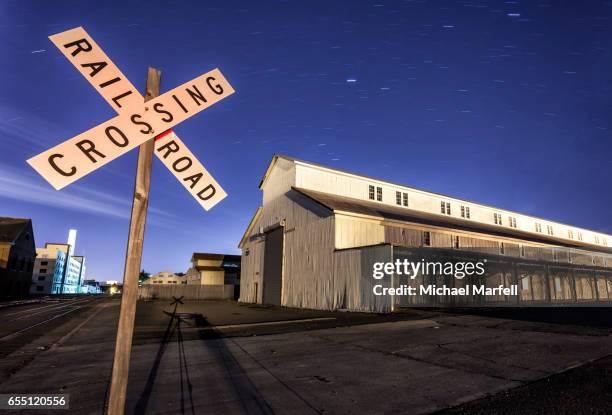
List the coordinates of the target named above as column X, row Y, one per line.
column 504, row 103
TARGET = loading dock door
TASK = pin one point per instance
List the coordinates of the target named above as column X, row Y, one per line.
column 273, row 267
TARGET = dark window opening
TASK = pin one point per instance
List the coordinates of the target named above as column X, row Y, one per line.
column 426, row 238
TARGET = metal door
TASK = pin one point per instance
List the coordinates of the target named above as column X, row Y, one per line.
column 273, row 267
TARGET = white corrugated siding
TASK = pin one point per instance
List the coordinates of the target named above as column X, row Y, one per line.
column 354, row 232
column 308, row 248
column 354, row 281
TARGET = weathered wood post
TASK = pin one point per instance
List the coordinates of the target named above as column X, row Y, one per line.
column 133, row 256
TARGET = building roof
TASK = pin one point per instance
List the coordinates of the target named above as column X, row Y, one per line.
column 430, row 193
column 11, row 228
column 221, row 257
column 247, row 231
column 342, row 204
column 209, row 268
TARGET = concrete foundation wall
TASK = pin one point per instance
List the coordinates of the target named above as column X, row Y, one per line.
column 189, row 292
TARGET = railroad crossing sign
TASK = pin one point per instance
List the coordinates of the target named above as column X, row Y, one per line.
column 140, row 120
column 136, row 123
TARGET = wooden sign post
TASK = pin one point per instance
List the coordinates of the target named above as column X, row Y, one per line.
column 133, row 256
column 143, row 122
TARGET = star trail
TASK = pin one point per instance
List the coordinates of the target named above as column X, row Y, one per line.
column 503, row 103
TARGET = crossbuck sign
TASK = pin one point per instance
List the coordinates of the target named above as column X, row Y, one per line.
column 136, row 122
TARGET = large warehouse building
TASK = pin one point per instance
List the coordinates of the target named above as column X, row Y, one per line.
column 319, row 231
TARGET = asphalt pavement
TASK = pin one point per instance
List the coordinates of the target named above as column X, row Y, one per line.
column 224, row 357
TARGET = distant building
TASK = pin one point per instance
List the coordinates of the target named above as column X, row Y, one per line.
column 193, row 277
column 57, row 270
column 111, row 287
column 215, row 269
column 166, row 277
column 48, row 270
column 91, row 287
column 81, row 269
column 17, row 253
column 319, row 232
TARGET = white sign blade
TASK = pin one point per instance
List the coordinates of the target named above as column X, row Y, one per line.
column 80, row 155
column 91, row 61
column 95, row 66
column 188, row 170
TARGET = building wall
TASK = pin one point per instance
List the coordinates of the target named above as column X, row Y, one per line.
column 308, row 245
column 165, row 277
column 213, row 277
column 49, row 275
column 5, row 250
column 327, row 260
column 72, row 280
column 354, row 282
column 197, row 292
column 351, row 232
column 403, row 234
column 349, row 185
column 17, row 264
column 45, row 275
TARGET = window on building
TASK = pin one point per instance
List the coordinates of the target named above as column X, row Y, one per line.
column 580, row 236
column 41, row 278
column 501, row 248
column 379, row 194
column 525, row 282
column 426, row 238
column 596, row 239
column 549, row 229
column 538, row 227
column 522, row 251
column 371, row 192
column 445, row 208
column 44, row 263
column 605, row 241
column 405, row 199
column 43, row 270
column 39, row 288
column 497, row 218
column 465, row 212
column 512, row 221
column 398, row 198
column 570, row 234
column 456, row 242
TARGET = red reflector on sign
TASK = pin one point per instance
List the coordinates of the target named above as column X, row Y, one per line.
column 162, row 135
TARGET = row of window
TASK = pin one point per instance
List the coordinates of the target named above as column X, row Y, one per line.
column 426, row 241
column 401, row 199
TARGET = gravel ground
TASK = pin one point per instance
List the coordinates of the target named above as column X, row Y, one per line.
column 583, row 390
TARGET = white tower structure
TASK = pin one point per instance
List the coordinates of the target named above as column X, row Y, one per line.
column 72, row 234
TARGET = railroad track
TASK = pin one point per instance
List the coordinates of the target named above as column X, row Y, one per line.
column 19, row 322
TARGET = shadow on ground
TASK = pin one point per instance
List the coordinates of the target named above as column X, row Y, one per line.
column 244, row 391
column 583, row 316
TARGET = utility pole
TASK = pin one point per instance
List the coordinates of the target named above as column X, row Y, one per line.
column 133, row 256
